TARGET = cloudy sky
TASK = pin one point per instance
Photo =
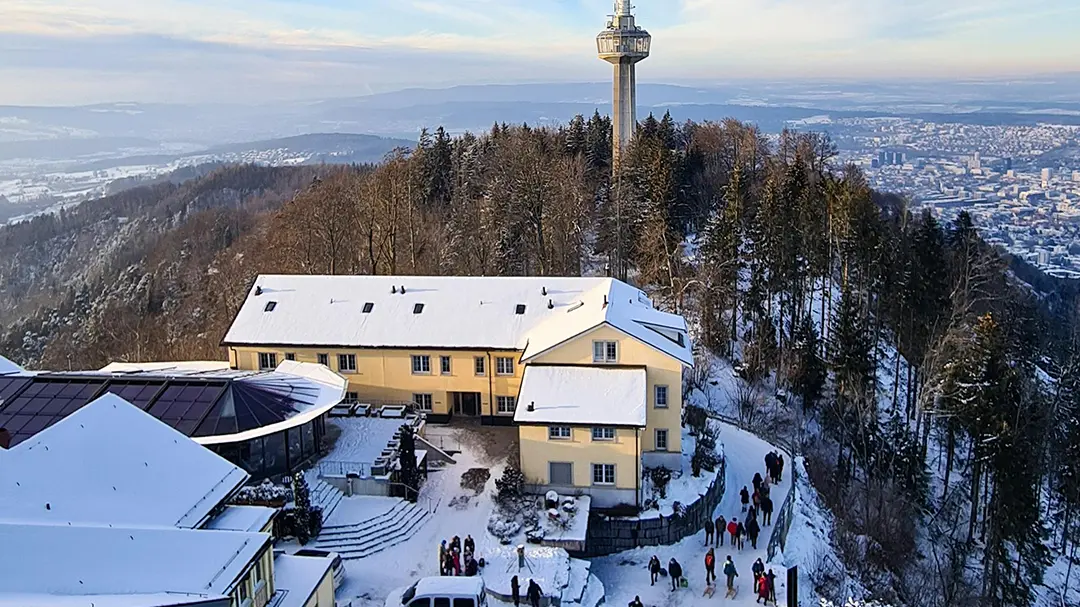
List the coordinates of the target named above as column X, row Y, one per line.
column 81, row 51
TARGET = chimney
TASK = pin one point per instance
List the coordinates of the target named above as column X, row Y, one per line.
column 402, row 289
column 258, row 291
column 543, row 291
column 393, row 289
column 551, row 305
column 5, row 439
column 605, row 301
column 532, row 405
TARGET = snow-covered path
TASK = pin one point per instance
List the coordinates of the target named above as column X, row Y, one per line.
column 624, row 575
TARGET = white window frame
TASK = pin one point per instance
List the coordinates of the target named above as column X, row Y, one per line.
column 323, row 359
column 445, row 365
column 424, row 401
column 351, row 398
column 604, row 469
column 480, row 366
column 290, row 356
column 267, row 361
column 657, row 391
column 421, row 364
column 350, row 363
column 510, row 403
column 656, row 439
column 603, row 434
column 504, row 365
column 603, row 351
column 560, row 433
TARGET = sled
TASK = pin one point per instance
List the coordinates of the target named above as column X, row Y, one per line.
column 709, row 590
column 732, row 593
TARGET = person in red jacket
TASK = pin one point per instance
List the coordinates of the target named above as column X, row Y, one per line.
column 733, row 529
column 762, row 590
column 710, row 567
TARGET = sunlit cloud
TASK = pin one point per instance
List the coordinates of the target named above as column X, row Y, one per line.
column 56, row 47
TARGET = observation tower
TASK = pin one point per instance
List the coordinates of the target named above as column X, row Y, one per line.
column 623, row 44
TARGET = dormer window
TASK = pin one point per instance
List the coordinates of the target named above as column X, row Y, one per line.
column 368, row 307
column 270, row 305
column 418, row 308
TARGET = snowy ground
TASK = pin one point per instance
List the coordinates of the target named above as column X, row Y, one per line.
column 362, row 439
column 684, row 488
column 625, row 575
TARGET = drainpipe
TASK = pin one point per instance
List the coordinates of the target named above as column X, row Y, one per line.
column 491, row 388
column 637, row 475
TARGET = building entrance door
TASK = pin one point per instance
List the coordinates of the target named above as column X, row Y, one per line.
column 467, row 403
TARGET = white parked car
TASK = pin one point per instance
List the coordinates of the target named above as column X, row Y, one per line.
column 443, row 592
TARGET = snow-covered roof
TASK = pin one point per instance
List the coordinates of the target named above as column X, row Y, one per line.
column 295, row 577
column 205, row 400
column 110, row 462
column 241, row 518
column 450, row 586
column 88, row 560
column 6, row 367
column 157, row 599
column 610, row 396
column 448, row 312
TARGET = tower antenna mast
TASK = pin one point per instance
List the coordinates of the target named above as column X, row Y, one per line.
column 623, row 44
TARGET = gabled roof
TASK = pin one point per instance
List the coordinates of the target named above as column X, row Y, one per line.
column 109, row 462
column 605, row 396
column 88, row 560
column 479, row 313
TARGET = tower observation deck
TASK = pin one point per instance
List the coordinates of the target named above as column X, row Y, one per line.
column 623, row 44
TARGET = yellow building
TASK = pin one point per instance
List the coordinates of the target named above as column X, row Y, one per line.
column 485, row 347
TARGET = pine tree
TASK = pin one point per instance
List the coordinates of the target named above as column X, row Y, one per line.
column 302, row 510
column 807, row 375
column 410, row 475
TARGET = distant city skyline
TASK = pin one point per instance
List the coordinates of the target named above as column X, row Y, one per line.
column 83, row 51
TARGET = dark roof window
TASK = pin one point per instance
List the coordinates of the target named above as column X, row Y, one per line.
column 418, row 308
column 368, row 307
column 270, row 305
column 521, row 308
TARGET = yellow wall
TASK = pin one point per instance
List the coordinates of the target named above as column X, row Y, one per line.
column 324, row 594
column 386, row 374
column 661, row 369
column 537, row 450
column 248, row 581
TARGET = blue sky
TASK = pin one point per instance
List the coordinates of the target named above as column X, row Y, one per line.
column 79, row 51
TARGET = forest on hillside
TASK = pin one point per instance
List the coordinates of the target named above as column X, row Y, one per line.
column 955, row 483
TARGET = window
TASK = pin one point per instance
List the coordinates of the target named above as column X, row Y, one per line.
column 444, row 365
column 479, row 363
column 267, row 360
column 660, row 397
column 661, row 440
column 418, row 308
column 441, row 602
column 290, row 356
column 506, row 403
column 603, row 474
column 504, row 365
column 324, row 359
column 368, row 307
column 558, row 432
column 423, row 401
column 425, row 602
column 560, row 473
column 464, row 603
column 351, row 398
column 603, row 433
column 346, row 363
column 421, row 364
column 520, row 309
column 605, row 351
column 270, row 305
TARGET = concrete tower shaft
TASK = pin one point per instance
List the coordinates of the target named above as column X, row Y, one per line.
column 623, row 44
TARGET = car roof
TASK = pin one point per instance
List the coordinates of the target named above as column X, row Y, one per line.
column 464, row 586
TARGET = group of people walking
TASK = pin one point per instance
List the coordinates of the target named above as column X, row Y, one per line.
column 533, row 592
column 459, row 558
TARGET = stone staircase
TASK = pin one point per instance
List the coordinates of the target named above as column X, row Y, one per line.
column 583, row 589
column 372, row 536
column 324, row 495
